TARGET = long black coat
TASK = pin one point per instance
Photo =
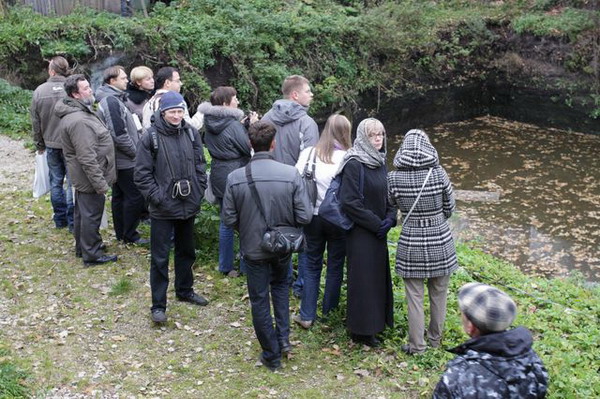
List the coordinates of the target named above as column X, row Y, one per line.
column 370, row 297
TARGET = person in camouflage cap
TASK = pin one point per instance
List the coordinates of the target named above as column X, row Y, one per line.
column 495, row 362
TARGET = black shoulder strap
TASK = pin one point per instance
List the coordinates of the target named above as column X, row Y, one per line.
column 154, row 138
column 254, row 193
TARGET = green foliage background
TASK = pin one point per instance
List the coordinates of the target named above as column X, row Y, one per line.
column 346, row 48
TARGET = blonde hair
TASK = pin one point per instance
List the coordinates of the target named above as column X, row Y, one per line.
column 337, row 129
column 139, row 73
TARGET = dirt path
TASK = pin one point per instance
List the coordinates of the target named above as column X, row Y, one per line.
column 16, row 167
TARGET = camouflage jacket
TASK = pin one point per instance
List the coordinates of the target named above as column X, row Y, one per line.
column 498, row 365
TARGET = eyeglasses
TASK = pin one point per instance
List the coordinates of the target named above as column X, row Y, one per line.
column 373, row 135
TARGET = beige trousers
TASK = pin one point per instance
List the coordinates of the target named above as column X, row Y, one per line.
column 415, row 290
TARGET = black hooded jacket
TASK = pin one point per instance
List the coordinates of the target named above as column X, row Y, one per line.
column 499, row 365
column 227, row 142
column 176, row 155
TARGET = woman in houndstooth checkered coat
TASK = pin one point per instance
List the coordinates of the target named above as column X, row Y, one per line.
column 426, row 251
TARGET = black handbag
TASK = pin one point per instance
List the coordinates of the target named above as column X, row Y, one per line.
column 309, row 177
column 331, row 207
column 278, row 240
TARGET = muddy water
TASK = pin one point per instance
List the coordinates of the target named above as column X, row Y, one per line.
column 531, row 194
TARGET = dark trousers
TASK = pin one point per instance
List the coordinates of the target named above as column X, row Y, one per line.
column 321, row 234
column 127, row 206
column 269, row 277
column 160, row 246
column 87, row 216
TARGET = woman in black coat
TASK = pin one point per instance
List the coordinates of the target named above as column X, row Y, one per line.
column 229, row 146
column 363, row 195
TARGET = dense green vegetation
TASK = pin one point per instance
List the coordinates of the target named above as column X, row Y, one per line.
column 347, row 48
column 14, row 111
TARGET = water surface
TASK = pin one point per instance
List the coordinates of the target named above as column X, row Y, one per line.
column 546, row 218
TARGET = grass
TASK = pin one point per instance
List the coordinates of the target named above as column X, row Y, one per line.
column 86, row 331
column 13, row 380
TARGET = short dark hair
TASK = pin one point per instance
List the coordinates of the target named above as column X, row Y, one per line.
column 112, row 73
column 261, row 135
column 72, row 84
column 222, row 95
column 163, row 74
column 60, row 66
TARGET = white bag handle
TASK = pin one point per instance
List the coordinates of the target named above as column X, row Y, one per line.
column 418, row 196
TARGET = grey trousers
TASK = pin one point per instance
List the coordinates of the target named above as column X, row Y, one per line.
column 415, row 290
column 87, row 216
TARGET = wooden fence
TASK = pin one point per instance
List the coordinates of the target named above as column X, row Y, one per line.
column 64, row 7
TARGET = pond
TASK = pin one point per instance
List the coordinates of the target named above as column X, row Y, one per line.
column 527, row 194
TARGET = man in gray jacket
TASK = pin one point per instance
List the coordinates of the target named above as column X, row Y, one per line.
column 286, row 203
column 127, row 202
column 47, row 138
column 90, row 156
column 295, row 131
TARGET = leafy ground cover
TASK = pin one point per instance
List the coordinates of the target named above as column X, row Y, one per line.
column 74, row 332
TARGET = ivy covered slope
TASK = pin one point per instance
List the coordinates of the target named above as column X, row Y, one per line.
column 348, row 48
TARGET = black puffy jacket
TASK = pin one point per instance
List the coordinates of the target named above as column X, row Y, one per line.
column 176, row 155
column 227, row 142
column 499, row 365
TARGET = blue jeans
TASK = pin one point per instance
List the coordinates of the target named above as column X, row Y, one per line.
column 298, row 284
column 320, row 234
column 62, row 203
column 226, row 237
column 264, row 276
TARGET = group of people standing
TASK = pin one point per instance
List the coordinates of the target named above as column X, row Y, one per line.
column 143, row 143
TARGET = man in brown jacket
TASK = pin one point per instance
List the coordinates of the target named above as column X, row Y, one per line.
column 89, row 151
column 47, row 138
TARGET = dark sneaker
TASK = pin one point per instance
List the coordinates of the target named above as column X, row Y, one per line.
column 273, row 366
column 139, row 241
column 368, row 340
column 195, row 299
column 101, row 260
column 406, row 349
column 158, row 316
column 285, row 347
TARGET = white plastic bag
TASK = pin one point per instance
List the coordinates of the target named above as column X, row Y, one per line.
column 41, row 178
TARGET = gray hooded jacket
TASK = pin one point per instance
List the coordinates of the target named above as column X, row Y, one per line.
column 295, row 130
column 282, row 194
column 119, row 120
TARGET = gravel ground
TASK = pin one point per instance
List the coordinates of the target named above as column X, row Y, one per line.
column 16, row 168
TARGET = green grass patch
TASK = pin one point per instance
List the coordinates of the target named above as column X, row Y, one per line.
column 567, row 23
column 13, row 380
column 121, row 287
